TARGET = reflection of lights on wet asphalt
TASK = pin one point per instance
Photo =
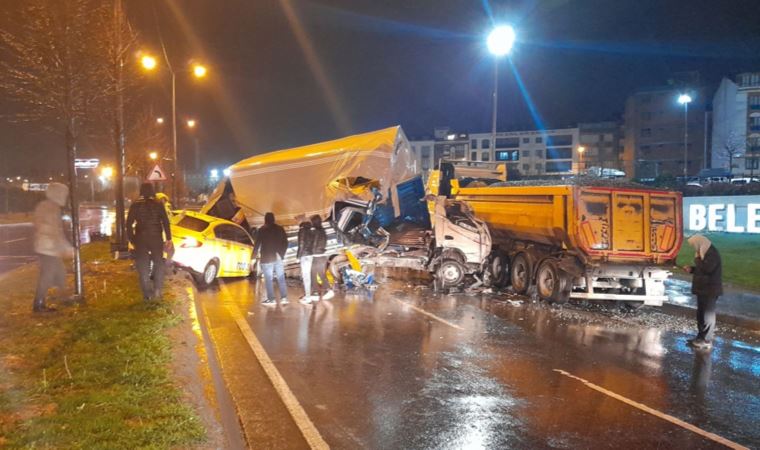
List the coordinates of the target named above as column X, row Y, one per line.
column 678, row 291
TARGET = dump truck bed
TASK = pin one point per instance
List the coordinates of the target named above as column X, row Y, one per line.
column 602, row 223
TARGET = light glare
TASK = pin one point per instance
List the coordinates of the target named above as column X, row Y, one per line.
column 500, row 40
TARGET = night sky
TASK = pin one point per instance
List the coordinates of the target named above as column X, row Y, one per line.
column 291, row 72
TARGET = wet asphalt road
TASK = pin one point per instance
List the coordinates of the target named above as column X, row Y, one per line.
column 403, row 367
column 16, row 240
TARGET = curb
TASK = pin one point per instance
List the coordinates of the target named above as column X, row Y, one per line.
column 749, row 323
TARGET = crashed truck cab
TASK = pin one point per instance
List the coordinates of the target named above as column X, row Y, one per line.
column 368, row 190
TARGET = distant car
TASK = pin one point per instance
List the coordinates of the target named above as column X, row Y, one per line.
column 209, row 247
column 694, row 184
column 746, row 180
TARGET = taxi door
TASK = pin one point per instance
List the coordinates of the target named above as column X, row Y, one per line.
column 225, row 249
column 243, row 251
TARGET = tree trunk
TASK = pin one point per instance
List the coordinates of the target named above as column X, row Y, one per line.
column 71, row 150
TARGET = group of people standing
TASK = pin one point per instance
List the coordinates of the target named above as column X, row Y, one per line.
column 271, row 245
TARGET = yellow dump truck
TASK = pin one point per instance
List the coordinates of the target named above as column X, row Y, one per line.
column 594, row 242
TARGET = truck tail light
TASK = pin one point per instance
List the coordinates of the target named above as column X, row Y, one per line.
column 190, row 242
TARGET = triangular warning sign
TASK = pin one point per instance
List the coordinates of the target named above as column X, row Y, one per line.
column 157, row 174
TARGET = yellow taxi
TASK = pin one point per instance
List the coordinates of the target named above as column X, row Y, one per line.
column 210, row 247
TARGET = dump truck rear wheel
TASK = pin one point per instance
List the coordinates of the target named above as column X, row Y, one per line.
column 519, row 273
column 551, row 283
column 498, row 270
column 450, row 273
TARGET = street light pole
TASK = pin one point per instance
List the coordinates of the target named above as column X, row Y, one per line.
column 175, row 188
column 492, row 150
column 499, row 42
column 685, row 99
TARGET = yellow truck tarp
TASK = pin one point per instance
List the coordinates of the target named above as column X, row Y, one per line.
column 302, row 181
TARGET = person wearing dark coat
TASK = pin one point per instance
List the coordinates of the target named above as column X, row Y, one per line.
column 707, row 285
column 271, row 244
column 147, row 230
column 304, row 254
column 319, row 259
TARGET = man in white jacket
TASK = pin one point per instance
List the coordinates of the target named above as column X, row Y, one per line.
column 50, row 244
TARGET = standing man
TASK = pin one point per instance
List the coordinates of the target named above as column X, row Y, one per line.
column 50, row 244
column 707, row 285
column 319, row 259
column 305, row 247
column 272, row 242
column 147, row 230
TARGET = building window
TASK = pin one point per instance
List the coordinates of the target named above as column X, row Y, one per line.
column 754, row 123
column 539, row 153
column 473, row 156
column 474, row 143
column 485, row 143
column 525, row 154
column 526, row 140
column 486, row 156
column 752, row 163
column 646, row 132
column 539, row 140
column 558, row 153
column 754, row 101
column 645, row 148
column 646, row 115
column 508, row 155
column 539, row 167
column 558, row 166
column 526, row 167
column 507, row 142
column 564, row 139
column 425, row 152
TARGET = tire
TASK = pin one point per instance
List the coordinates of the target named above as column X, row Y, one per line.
column 519, row 274
column 450, row 273
column 551, row 283
column 208, row 276
column 498, row 269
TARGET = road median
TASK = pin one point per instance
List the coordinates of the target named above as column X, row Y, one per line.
column 93, row 376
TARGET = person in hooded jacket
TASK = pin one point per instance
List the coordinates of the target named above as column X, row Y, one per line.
column 147, row 230
column 272, row 243
column 50, row 244
column 319, row 259
column 305, row 248
column 707, row 285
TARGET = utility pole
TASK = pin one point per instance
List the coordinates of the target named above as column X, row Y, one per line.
column 119, row 138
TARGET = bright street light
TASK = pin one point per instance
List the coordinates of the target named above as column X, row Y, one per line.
column 684, row 99
column 199, row 71
column 106, row 172
column 153, row 155
column 148, row 62
column 500, row 40
column 226, row 172
column 160, row 120
column 214, row 173
column 191, row 123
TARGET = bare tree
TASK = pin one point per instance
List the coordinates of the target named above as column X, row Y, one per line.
column 52, row 65
column 144, row 135
column 733, row 147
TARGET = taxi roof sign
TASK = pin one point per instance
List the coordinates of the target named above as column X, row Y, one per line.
column 157, row 174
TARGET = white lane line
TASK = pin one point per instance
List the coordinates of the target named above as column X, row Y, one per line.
column 656, row 413
column 429, row 314
column 15, row 240
column 309, row 431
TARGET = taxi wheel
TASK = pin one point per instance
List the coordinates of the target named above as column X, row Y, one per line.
column 208, row 276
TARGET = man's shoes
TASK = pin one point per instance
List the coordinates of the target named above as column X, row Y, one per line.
column 305, row 300
column 284, row 301
column 44, row 309
column 269, row 302
column 328, row 295
column 700, row 344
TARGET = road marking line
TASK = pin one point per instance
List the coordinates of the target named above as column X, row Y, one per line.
column 309, row 431
column 15, row 240
column 656, row 413
column 429, row 314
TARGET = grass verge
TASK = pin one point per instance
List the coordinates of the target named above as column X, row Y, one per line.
column 95, row 376
column 740, row 255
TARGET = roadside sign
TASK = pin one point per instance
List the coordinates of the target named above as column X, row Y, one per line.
column 34, row 187
column 157, row 174
column 88, row 163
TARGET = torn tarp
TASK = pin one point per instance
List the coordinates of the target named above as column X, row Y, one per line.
column 303, row 181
